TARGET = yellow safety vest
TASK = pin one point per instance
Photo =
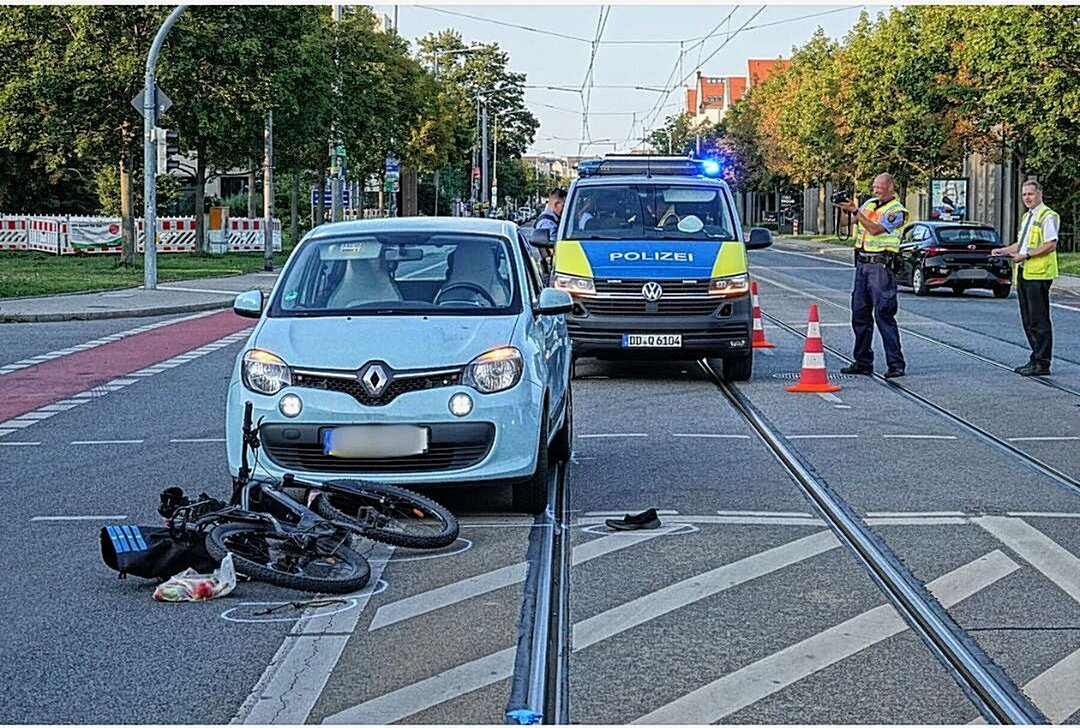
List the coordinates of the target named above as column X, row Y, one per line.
column 1041, row 267
column 886, row 241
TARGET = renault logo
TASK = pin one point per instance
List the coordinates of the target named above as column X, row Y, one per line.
column 652, row 291
column 374, row 377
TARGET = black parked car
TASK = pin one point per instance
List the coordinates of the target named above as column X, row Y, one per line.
column 954, row 255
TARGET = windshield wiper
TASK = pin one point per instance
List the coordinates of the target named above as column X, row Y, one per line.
column 601, row 237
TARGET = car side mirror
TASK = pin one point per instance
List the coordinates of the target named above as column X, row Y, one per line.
column 249, row 304
column 759, row 238
column 553, row 302
column 540, row 239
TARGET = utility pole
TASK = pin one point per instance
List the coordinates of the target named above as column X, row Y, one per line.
column 484, row 190
column 495, row 166
column 268, row 192
column 150, row 142
column 474, row 182
column 335, row 141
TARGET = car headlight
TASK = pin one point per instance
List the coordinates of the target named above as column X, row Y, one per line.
column 264, row 372
column 729, row 285
column 574, row 284
column 495, row 370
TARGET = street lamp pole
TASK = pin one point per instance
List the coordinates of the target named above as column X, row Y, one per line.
column 150, row 142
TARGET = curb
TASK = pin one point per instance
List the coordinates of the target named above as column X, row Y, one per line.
column 124, row 313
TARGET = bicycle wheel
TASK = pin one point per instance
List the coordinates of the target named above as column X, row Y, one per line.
column 388, row 513
column 266, row 555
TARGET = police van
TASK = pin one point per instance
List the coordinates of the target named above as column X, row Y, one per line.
column 652, row 251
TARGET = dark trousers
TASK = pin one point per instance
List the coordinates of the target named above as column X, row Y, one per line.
column 874, row 299
column 1035, row 314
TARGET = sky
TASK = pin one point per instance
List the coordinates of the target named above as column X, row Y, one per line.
column 550, row 60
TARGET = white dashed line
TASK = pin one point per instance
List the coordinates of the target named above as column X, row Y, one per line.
column 710, row 435
column 106, row 442
column 612, row 434
column 919, row 437
column 1042, row 439
column 19, row 444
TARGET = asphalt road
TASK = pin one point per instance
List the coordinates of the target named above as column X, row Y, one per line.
column 742, row 608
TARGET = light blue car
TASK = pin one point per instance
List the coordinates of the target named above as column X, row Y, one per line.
column 411, row 351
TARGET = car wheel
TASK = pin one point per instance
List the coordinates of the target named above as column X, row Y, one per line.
column 740, row 368
column 530, row 496
column 1002, row 291
column 918, row 281
column 563, row 444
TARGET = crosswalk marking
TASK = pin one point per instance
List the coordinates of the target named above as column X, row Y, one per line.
column 760, row 679
column 1054, row 562
column 476, row 674
column 443, row 596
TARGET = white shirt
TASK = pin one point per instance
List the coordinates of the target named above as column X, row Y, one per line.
column 1049, row 228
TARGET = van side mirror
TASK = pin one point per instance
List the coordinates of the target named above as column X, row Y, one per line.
column 249, row 304
column 759, row 238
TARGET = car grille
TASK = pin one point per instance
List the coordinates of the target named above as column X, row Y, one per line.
column 401, row 383
column 451, row 447
column 618, row 297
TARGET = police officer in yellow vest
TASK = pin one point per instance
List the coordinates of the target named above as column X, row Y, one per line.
column 1034, row 256
column 877, row 243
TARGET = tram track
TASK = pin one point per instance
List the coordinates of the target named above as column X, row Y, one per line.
column 1043, row 381
column 997, row 698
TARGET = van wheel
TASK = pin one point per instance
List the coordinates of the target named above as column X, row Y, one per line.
column 740, row 368
column 530, row 496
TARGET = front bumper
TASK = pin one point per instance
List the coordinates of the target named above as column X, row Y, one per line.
column 496, row 441
column 725, row 331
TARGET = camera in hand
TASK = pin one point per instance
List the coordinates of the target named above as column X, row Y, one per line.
column 839, row 197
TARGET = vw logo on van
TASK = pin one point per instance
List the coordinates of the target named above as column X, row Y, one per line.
column 374, row 378
column 652, row 291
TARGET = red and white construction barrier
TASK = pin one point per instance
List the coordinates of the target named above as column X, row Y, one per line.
column 246, row 235
column 175, row 235
column 91, row 235
column 13, row 233
column 43, row 235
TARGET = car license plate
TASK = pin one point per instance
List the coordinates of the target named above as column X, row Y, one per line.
column 971, row 274
column 651, row 341
column 375, row 441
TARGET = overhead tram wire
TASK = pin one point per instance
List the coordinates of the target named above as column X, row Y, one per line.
column 586, row 84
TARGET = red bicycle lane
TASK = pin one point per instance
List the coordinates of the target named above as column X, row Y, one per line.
column 28, row 389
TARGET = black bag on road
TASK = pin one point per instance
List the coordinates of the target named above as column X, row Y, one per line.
column 153, row 552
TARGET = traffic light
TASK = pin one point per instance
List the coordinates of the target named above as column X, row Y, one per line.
column 167, row 149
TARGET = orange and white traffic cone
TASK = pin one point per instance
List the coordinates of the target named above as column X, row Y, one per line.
column 813, row 377
column 757, row 338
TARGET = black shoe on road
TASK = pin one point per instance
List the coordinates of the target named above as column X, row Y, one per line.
column 645, row 520
column 857, row 369
column 1033, row 370
column 894, row 373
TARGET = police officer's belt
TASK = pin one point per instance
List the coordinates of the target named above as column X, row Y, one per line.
column 861, row 257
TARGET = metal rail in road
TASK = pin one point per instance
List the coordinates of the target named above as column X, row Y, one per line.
column 1058, row 476
column 992, row 692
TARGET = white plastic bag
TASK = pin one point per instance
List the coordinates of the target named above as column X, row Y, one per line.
column 190, row 586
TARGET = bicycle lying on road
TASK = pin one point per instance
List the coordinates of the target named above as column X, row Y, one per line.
column 276, row 538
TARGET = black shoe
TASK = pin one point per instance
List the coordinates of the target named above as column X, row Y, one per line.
column 1033, row 370
column 645, row 520
column 857, row 369
column 894, row 372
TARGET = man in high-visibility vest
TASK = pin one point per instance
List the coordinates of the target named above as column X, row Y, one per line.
column 877, row 244
column 1034, row 256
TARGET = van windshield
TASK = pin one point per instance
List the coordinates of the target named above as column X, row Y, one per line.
column 399, row 273
column 650, row 212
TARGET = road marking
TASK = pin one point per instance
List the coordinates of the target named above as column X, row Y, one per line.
column 1074, row 309
column 1041, row 439
column 198, row 439
column 830, row 397
column 919, row 437
column 737, row 690
column 710, row 435
column 911, row 514
column 479, row 673
column 37, row 415
column 78, row 518
column 612, row 434
column 1056, row 692
column 459, row 591
column 19, row 444
column 296, row 676
column 40, row 358
column 1054, row 561
column 106, row 442
column 1042, row 514
column 840, row 263
column 821, row 437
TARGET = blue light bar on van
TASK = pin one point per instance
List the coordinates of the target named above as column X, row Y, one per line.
column 648, row 165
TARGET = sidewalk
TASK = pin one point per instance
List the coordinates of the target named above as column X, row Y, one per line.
column 843, row 253
column 197, row 294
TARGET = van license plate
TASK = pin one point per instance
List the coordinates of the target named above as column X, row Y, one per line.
column 651, row 341
column 375, row 441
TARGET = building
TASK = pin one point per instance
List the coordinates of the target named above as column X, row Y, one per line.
column 711, row 97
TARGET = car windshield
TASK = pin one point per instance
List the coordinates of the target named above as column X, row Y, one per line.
column 399, row 273
column 967, row 235
column 649, row 212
